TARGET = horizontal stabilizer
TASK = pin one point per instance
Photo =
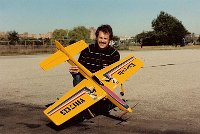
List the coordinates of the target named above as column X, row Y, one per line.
column 59, row 57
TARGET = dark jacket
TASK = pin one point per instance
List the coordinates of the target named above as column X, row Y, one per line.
column 95, row 58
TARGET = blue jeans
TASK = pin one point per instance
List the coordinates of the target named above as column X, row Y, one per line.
column 76, row 79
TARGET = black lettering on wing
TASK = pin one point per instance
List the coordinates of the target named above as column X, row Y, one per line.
column 126, row 68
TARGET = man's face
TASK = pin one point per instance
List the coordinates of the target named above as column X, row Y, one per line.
column 103, row 39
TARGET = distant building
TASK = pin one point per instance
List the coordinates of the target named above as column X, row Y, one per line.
column 28, row 35
column 123, row 38
column 92, row 33
column 36, row 36
column 3, row 34
column 46, row 35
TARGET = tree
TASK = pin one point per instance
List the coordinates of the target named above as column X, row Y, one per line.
column 170, row 28
column 167, row 30
column 146, row 38
column 60, row 35
column 139, row 37
column 13, row 37
column 79, row 33
column 115, row 38
column 116, row 41
column 198, row 40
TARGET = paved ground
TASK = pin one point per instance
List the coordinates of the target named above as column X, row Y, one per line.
column 166, row 91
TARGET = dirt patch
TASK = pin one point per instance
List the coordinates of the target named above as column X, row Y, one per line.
column 23, row 119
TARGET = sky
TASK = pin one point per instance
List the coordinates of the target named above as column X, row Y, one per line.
column 127, row 17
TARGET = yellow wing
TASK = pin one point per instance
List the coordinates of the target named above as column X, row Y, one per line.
column 59, row 57
column 119, row 72
column 79, row 98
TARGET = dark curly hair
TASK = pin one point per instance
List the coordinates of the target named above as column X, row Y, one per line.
column 104, row 29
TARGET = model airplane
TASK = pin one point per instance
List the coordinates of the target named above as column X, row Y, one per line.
column 93, row 88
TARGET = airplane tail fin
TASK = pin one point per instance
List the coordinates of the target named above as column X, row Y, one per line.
column 59, row 57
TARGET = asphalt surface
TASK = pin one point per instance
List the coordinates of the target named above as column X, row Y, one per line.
column 166, row 92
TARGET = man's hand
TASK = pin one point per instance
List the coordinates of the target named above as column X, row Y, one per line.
column 74, row 70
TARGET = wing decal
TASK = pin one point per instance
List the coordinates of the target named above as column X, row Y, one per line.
column 70, row 99
column 109, row 74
